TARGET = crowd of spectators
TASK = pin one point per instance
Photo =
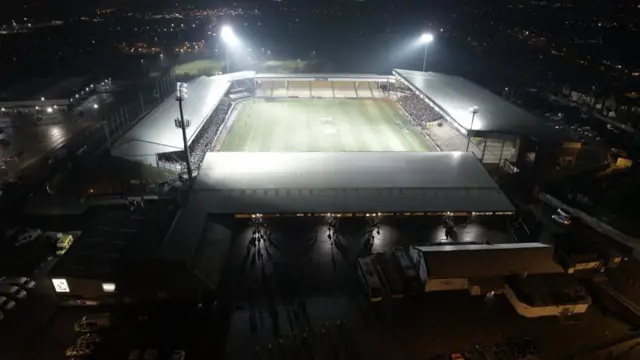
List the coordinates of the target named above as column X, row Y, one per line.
column 418, row 109
column 201, row 144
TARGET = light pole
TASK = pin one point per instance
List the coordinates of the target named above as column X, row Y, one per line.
column 473, row 110
column 426, row 39
column 181, row 94
column 230, row 38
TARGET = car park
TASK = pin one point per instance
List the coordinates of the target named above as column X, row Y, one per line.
column 22, row 281
column 13, row 291
column 22, row 236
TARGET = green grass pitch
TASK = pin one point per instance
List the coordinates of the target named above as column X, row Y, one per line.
column 324, row 125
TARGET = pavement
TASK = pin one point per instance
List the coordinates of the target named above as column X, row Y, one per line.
column 297, row 296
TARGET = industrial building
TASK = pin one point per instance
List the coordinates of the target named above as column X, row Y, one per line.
column 526, row 273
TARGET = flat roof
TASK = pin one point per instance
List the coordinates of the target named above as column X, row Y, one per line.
column 454, row 96
column 480, row 261
column 350, row 182
column 311, row 77
column 115, row 239
column 157, row 133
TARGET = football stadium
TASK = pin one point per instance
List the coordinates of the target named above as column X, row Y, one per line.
column 353, row 144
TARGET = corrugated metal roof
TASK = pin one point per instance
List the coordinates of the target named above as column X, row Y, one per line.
column 347, row 182
column 455, row 96
column 481, row 261
column 157, row 133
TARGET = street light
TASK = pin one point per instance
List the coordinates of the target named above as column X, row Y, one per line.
column 473, row 110
column 426, row 39
column 230, row 38
column 95, row 106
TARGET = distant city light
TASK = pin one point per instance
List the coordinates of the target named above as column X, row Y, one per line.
column 49, row 110
column 41, row 99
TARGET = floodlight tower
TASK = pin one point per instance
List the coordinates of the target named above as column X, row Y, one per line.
column 473, row 110
column 230, row 39
column 181, row 94
column 426, row 39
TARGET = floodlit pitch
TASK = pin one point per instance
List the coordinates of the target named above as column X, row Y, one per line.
column 324, row 125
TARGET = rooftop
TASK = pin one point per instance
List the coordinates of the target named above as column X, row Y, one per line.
column 311, row 77
column 157, row 133
column 454, row 96
column 115, row 239
column 482, row 261
column 392, row 182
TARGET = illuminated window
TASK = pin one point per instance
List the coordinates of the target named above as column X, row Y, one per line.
column 60, row 285
column 109, row 287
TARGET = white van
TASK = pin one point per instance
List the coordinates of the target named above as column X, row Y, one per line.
column 23, row 282
column 12, row 291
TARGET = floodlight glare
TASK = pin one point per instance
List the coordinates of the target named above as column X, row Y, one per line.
column 95, row 106
column 228, row 35
column 426, row 38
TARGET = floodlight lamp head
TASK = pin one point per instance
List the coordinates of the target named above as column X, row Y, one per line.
column 228, row 36
column 474, row 109
column 426, row 38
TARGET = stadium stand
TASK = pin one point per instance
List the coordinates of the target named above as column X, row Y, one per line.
column 299, row 88
column 344, row 89
column 202, row 142
column 156, row 133
column 377, row 92
column 364, row 89
column 264, row 88
column 279, row 89
column 321, row 89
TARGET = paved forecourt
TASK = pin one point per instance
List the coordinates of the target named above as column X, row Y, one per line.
column 324, row 125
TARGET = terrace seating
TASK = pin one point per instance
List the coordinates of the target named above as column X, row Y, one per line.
column 344, row 89
column 322, row 89
column 364, row 90
column 279, row 89
column 299, row 88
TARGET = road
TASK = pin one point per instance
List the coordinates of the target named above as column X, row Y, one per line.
column 31, row 143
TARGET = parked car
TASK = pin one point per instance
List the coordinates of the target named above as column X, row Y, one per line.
column 23, row 236
column 89, row 338
column 178, row 355
column 22, row 281
column 13, row 291
column 93, row 323
column 6, row 304
column 79, row 350
column 150, row 355
column 134, row 355
column 564, row 220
